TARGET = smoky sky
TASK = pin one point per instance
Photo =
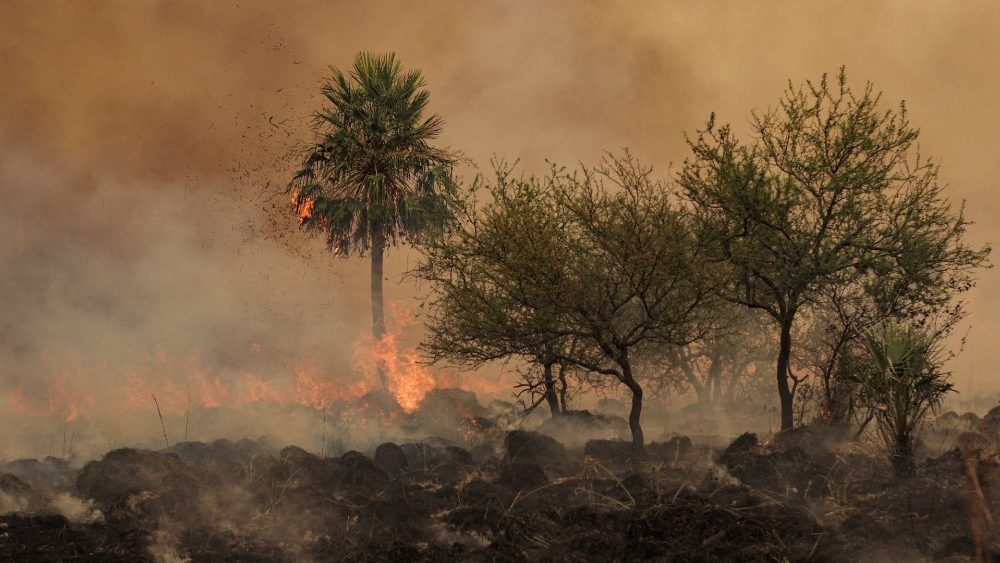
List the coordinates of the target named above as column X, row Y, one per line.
column 144, row 144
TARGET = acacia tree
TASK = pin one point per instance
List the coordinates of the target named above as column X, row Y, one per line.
column 495, row 279
column 830, row 189
column 614, row 271
column 639, row 282
column 372, row 178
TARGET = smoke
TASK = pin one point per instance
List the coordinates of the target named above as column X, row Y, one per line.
column 11, row 503
column 75, row 510
column 144, row 146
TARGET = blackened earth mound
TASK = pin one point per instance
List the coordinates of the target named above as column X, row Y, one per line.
column 536, row 501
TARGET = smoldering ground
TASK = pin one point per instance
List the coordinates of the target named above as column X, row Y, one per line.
column 143, row 145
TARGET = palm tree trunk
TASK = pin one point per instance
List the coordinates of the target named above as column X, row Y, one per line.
column 902, row 455
column 378, row 307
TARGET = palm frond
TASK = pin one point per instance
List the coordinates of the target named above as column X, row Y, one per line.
column 372, row 174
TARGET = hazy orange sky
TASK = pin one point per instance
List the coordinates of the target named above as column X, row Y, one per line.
column 138, row 140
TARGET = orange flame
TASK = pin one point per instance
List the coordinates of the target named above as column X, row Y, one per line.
column 320, row 393
column 63, row 392
column 303, row 209
column 184, row 383
column 407, row 378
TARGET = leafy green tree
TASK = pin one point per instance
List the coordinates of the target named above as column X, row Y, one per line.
column 829, row 191
column 614, row 271
column 639, row 281
column 372, row 177
column 496, row 280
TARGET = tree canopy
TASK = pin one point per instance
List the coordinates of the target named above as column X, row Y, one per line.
column 372, row 177
column 830, row 191
column 603, row 258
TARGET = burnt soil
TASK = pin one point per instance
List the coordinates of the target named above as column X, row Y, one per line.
column 534, row 500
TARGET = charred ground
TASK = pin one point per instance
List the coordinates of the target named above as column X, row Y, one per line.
column 499, row 493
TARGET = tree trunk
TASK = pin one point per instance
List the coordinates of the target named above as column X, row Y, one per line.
column 378, row 307
column 715, row 378
column 550, row 390
column 784, row 356
column 562, row 389
column 692, row 378
column 837, row 394
column 839, row 406
column 902, row 455
column 730, row 391
column 700, row 391
column 635, row 414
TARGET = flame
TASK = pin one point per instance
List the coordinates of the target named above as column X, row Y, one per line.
column 259, row 390
column 203, row 388
column 407, row 377
column 178, row 386
column 303, row 209
column 319, row 393
column 70, row 389
column 63, row 392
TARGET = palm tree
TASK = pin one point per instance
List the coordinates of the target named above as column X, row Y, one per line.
column 901, row 383
column 371, row 178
